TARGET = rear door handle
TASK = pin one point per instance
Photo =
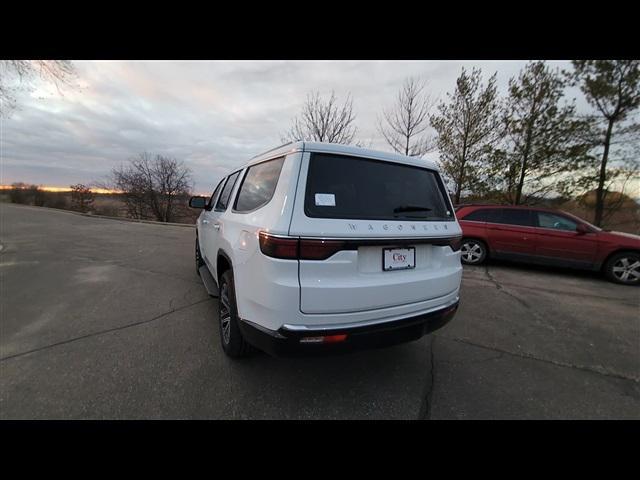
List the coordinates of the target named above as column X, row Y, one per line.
column 216, row 226
column 205, row 222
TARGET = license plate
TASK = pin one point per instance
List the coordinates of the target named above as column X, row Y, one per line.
column 398, row 258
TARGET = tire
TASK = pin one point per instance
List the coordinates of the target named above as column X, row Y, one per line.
column 199, row 260
column 624, row 268
column 230, row 336
column 472, row 251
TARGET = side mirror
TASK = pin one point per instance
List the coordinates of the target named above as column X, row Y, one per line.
column 198, row 202
column 582, row 229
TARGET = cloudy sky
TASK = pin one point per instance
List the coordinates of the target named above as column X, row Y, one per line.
column 213, row 115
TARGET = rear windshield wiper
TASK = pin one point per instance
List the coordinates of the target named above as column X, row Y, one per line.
column 411, row 208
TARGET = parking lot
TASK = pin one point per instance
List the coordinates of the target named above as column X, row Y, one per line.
column 107, row 319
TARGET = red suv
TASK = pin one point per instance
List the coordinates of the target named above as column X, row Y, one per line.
column 544, row 236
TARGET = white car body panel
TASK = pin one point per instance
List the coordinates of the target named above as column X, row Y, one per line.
column 349, row 288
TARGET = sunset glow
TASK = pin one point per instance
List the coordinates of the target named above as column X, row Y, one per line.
column 60, row 189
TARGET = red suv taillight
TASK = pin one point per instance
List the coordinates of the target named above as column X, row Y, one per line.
column 455, row 243
column 302, row 249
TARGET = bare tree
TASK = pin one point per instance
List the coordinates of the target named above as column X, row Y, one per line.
column 153, row 186
column 16, row 194
column 16, row 75
column 324, row 120
column 407, row 120
column 468, row 126
column 81, row 197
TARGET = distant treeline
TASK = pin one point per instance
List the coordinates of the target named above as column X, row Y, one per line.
column 81, row 199
column 33, row 195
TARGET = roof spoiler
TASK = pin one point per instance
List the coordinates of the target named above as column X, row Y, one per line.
column 273, row 149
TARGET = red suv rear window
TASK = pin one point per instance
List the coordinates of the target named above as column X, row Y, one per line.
column 509, row 216
column 483, row 215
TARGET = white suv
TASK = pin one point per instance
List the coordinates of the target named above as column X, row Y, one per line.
column 322, row 247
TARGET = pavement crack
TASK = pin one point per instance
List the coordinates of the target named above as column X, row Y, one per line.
column 597, row 369
column 498, row 356
column 427, row 396
column 102, row 332
column 491, row 278
column 501, row 288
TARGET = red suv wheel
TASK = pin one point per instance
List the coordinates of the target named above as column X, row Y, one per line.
column 473, row 252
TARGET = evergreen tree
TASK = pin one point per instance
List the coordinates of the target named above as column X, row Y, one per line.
column 544, row 140
column 468, row 126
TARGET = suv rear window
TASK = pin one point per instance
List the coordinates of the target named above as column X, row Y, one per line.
column 258, row 185
column 340, row 186
column 491, row 215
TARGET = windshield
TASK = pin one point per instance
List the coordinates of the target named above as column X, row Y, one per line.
column 358, row 188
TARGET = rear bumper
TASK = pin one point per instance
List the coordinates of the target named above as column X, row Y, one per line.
column 284, row 342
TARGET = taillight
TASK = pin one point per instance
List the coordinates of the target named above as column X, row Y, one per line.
column 294, row 248
column 319, row 249
column 278, row 247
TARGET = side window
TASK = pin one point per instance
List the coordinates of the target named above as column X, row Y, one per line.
column 557, row 222
column 214, row 195
column 258, row 185
column 516, row 216
column 223, row 200
column 484, row 215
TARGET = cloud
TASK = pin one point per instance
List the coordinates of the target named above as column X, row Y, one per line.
column 212, row 115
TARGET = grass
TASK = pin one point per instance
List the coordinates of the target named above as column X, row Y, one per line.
column 107, row 204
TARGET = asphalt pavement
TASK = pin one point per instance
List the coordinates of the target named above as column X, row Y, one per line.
column 107, row 319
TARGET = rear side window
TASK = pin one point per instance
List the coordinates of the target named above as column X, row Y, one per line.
column 258, row 185
column 491, row 215
column 513, row 216
column 214, row 195
column 223, row 200
column 340, row 186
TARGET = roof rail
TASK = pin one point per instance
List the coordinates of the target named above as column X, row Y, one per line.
column 271, row 150
column 483, row 204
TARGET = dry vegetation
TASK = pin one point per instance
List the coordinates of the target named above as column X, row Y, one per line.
column 621, row 212
column 107, row 204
